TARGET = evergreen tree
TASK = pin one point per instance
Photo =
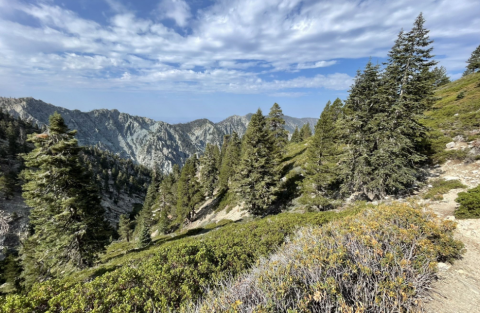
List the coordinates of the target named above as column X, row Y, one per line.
column 276, row 125
column 11, row 274
column 230, row 161
column 12, row 139
column 382, row 118
column 473, row 63
column 362, row 121
column 125, row 228
column 189, row 192
column 145, row 216
column 305, row 132
column 321, row 182
column 256, row 180
column 144, row 239
column 166, row 202
column 7, row 184
column 69, row 228
column 440, row 76
column 209, row 169
column 226, row 139
column 296, row 136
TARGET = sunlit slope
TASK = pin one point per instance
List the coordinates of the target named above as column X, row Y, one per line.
column 456, row 112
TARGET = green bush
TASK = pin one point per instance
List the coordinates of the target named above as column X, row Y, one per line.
column 381, row 260
column 440, row 187
column 469, row 204
column 461, row 95
column 177, row 271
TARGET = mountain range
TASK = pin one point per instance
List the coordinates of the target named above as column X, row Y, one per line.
column 141, row 139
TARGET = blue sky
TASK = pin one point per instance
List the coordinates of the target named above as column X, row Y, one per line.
column 178, row 60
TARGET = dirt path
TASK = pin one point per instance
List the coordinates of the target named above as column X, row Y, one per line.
column 458, row 287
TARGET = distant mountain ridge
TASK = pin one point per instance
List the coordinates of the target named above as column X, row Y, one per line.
column 141, row 139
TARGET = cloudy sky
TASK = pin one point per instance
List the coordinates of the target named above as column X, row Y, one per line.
column 177, row 60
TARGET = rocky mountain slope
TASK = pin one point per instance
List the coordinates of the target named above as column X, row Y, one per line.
column 140, row 139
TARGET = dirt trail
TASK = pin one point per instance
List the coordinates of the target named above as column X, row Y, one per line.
column 458, row 287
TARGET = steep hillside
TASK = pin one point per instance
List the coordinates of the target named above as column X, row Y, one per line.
column 454, row 120
column 122, row 183
column 140, row 139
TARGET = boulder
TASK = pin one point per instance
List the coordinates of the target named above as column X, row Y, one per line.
column 450, row 145
column 458, row 138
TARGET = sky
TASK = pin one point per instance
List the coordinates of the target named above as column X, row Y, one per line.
column 180, row 60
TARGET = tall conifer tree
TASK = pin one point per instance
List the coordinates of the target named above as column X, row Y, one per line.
column 473, row 63
column 257, row 179
column 305, row 132
column 296, row 136
column 440, row 76
column 321, row 183
column 383, row 116
column 276, row 125
column 209, row 169
column 189, row 192
column 125, row 227
column 230, row 161
column 69, row 228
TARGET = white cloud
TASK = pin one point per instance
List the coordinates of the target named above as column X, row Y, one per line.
column 229, row 46
column 287, row 94
column 116, row 6
column 177, row 10
column 302, row 66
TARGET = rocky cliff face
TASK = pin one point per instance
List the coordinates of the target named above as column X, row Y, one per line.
column 140, row 139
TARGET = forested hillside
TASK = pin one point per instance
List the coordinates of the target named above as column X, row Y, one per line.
column 122, row 183
column 327, row 220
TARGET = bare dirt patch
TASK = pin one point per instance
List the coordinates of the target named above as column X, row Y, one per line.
column 457, row 289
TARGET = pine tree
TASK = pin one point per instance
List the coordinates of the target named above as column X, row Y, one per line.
column 69, row 228
column 145, row 216
column 305, row 132
column 226, row 139
column 362, row 121
column 256, row 181
column 13, row 146
column 276, row 125
column 382, row 118
column 11, row 274
column 144, row 240
column 473, row 63
column 8, row 182
column 440, row 76
column 230, row 161
column 166, row 202
column 125, row 228
column 321, row 182
column 188, row 191
column 209, row 169
column 296, row 136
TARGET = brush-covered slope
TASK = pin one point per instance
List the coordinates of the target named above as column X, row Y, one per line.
column 454, row 119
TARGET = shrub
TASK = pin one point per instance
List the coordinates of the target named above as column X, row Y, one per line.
column 469, row 204
column 178, row 271
column 461, row 95
column 440, row 187
column 382, row 260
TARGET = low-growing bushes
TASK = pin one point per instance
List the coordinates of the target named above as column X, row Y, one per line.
column 382, row 260
column 441, row 187
column 175, row 272
column 469, row 204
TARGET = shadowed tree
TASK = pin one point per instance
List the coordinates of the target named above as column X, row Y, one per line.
column 257, row 179
column 69, row 228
